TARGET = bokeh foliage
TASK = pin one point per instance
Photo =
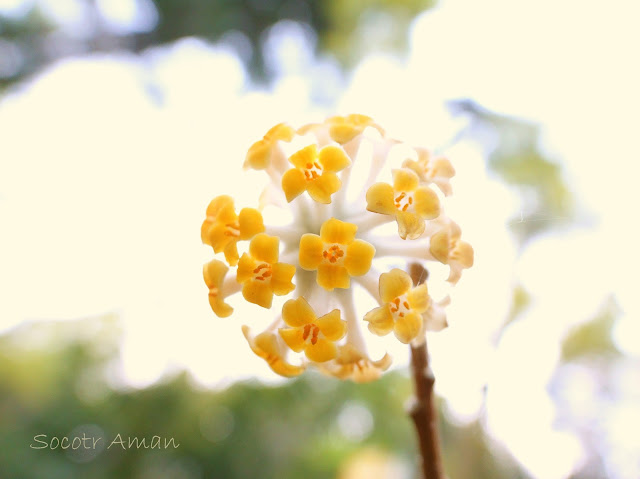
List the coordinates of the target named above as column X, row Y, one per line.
column 340, row 26
column 53, row 383
column 515, row 153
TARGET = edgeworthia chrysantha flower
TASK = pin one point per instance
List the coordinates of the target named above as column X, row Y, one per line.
column 361, row 207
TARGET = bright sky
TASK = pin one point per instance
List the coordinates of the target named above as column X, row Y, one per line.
column 103, row 188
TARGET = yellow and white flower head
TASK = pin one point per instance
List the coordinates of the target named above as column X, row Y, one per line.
column 360, row 208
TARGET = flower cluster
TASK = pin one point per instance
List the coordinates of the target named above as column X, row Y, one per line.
column 336, row 242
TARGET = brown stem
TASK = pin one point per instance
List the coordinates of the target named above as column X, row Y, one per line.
column 422, row 410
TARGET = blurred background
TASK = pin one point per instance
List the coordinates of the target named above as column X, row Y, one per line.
column 121, row 119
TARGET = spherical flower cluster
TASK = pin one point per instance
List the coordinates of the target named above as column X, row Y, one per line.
column 335, row 242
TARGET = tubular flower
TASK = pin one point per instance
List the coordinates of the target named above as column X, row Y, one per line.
column 447, row 247
column 409, row 202
column 350, row 363
column 402, row 307
column 335, row 254
column 266, row 346
column 315, row 336
column 222, row 228
column 260, row 153
column 316, row 251
column 430, row 169
column 214, row 272
column 343, row 129
column 260, row 273
column 315, row 173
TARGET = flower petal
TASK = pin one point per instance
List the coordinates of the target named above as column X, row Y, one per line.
column 359, row 256
column 427, row 203
column 302, row 157
column 265, row 346
column 441, row 167
column 439, row 245
column 336, row 231
column 393, row 284
column 321, row 188
column 410, row 225
column 310, row 251
column 380, row 199
column 419, row 299
column 352, row 364
column 258, row 292
column 216, row 236
column 405, row 180
column 293, row 184
column 463, row 254
column 408, row 327
column 343, row 129
column 333, row 158
column 414, row 166
column 231, row 253
column 322, row 351
column 213, row 273
column 332, row 326
column 281, row 275
column 265, row 248
column 259, row 155
column 283, row 368
column 297, row 312
column 331, row 276
column 281, row 131
column 342, row 133
column 293, row 338
column 246, row 265
column 250, row 223
column 380, row 320
column 219, row 203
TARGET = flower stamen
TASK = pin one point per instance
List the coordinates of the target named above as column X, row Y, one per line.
column 258, row 276
column 333, row 254
column 403, row 201
column 312, row 171
column 232, row 229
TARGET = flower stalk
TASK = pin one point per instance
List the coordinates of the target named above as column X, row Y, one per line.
column 422, row 409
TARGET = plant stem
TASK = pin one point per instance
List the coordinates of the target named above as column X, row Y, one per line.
column 422, row 410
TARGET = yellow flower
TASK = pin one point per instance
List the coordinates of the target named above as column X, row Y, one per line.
column 214, row 272
column 222, row 229
column 315, row 173
column 335, row 254
column 352, row 364
column 315, row 336
column 266, row 346
column 402, row 307
column 447, row 247
column 260, row 273
column 409, row 202
column 344, row 128
column 260, row 153
column 430, row 169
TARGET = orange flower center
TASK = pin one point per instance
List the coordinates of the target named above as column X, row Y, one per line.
column 399, row 306
column 403, row 201
column 333, row 254
column 232, row 229
column 310, row 332
column 312, row 171
column 262, row 272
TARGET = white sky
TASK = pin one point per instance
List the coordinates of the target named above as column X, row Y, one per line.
column 102, row 192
